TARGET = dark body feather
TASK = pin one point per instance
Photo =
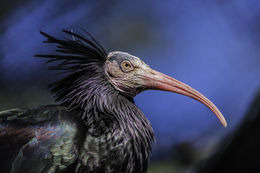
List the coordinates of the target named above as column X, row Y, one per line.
column 94, row 129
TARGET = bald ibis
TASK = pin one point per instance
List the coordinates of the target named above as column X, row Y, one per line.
column 96, row 127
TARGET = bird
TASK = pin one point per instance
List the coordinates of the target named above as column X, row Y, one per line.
column 94, row 126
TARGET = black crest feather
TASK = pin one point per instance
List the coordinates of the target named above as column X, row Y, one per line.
column 79, row 49
column 82, row 58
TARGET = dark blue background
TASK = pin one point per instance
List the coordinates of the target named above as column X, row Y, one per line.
column 211, row 45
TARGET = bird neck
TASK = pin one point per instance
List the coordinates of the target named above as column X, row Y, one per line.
column 102, row 105
column 105, row 103
column 103, row 108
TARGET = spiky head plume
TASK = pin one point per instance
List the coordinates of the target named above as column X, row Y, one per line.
column 81, row 58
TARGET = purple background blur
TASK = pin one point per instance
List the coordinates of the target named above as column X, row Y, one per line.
column 213, row 46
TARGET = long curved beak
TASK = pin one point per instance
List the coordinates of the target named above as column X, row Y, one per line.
column 159, row 81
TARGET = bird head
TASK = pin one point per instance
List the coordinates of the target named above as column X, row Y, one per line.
column 130, row 76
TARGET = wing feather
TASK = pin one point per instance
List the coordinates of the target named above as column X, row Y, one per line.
column 37, row 140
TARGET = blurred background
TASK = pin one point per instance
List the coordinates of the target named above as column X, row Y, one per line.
column 212, row 45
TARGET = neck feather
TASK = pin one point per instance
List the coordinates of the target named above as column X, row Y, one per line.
column 98, row 101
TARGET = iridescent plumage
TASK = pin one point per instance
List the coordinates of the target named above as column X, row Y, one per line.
column 96, row 127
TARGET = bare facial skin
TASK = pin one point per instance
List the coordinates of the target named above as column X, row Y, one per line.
column 126, row 74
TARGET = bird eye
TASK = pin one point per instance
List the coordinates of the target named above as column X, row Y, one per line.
column 126, row 66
